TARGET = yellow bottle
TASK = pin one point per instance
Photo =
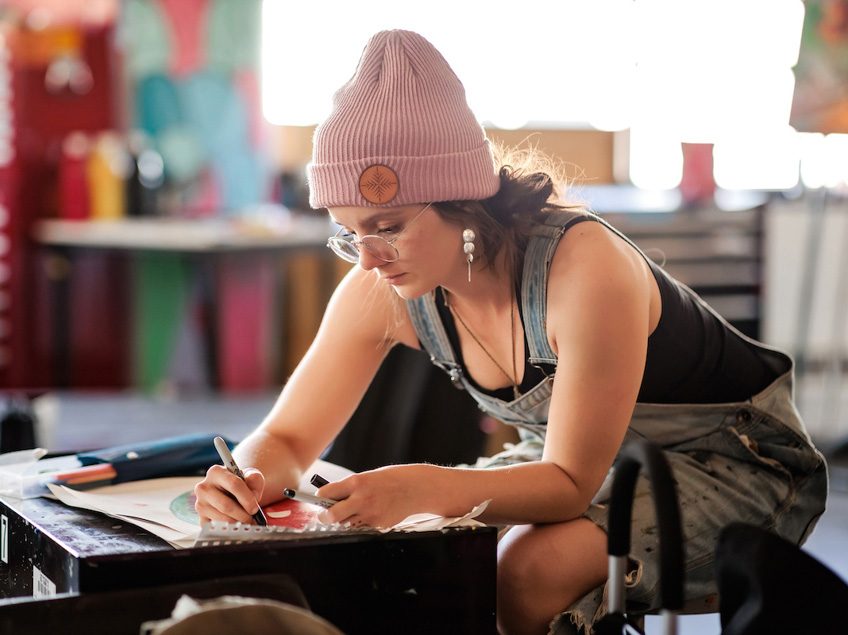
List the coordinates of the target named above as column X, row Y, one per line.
column 106, row 170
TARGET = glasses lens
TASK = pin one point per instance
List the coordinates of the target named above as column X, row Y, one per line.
column 379, row 248
column 344, row 249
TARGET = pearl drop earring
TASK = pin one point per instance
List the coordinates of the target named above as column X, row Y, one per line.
column 468, row 237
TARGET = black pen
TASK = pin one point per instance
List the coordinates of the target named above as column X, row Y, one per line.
column 303, row 497
column 230, row 464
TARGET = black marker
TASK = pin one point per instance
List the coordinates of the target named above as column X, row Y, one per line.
column 318, row 481
column 303, row 497
column 230, row 464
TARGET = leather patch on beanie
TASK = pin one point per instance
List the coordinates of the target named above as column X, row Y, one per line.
column 378, row 184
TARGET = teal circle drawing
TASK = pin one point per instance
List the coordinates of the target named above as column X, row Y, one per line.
column 183, row 508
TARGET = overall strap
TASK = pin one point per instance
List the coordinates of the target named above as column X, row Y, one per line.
column 431, row 332
column 544, row 239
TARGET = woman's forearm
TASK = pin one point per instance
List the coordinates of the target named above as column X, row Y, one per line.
column 274, row 457
column 537, row 492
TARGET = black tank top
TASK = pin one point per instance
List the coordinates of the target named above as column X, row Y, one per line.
column 693, row 355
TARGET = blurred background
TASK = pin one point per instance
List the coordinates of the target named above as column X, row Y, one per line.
column 161, row 272
column 159, row 264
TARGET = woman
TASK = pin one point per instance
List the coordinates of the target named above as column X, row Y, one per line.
column 554, row 323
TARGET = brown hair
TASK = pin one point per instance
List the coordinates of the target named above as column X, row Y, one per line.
column 530, row 185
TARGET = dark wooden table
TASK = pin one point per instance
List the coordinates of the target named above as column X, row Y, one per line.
column 428, row 582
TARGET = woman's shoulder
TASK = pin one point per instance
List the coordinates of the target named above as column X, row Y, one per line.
column 579, row 243
column 593, row 252
column 597, row 284
column 552, row 221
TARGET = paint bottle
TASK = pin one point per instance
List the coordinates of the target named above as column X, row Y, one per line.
column 146, row 176
column 107, row 169
column 72, row 180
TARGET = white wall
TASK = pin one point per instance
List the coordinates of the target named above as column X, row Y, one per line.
column 789, row 228
column 790, row 235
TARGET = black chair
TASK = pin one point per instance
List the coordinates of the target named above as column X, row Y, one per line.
column 768, row 585
column 411, row 413
column 633, row 457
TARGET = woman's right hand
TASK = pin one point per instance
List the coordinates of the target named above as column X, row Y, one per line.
column 224, row 496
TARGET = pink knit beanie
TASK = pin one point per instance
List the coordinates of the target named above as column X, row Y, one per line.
column 400, row 132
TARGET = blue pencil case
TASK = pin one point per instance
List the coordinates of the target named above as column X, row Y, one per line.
column 173, row 456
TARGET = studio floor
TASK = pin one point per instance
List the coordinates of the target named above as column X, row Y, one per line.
column 81, row 421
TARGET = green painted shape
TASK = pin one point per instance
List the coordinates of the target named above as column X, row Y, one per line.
column 160, row 299
column 232, row 36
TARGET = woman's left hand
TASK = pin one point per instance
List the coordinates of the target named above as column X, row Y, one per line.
column 381, row 497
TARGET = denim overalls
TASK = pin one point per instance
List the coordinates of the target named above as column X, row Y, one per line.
column 749, row 461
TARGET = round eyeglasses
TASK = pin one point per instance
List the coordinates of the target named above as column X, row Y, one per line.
column 347, row 247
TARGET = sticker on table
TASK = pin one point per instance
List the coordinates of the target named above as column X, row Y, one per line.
column 42, row 586
column 4, row 539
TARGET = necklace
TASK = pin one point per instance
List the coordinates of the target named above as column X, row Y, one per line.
column 512, row 378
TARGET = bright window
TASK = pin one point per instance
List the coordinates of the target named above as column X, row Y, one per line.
column 543, row 63
column 702, row 71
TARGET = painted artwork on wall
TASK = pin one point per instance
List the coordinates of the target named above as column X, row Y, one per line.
column 821, row 75
column 192, row 69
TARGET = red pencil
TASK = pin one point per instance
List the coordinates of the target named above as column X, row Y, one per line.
column 85, row 475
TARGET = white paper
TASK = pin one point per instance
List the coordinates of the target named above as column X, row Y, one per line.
column 19, row 457
column 431, row 522
column 165, row 506
column 329, row 471
column 162, row 506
